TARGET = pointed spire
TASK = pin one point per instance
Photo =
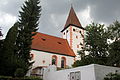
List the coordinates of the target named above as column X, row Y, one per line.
column 72, row 20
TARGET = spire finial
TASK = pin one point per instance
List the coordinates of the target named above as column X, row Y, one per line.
column 70, row 1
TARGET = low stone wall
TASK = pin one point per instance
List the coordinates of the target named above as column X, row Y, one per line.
column 89, row 72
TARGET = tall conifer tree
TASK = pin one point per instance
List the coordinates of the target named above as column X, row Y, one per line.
column 1, row 46
column 28, row 23
column 8, row 65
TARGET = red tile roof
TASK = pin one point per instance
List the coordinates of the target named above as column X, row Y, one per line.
column 48, row 43
column 72, row 20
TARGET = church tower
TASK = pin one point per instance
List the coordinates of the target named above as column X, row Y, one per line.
column 74, row 33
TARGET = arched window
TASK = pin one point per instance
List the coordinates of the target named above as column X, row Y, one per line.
column 63, row 62
column 54, row 60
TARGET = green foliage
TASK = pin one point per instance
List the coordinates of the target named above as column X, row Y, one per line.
column 100, row 50
column 1, row 46
column 5, row 77
column 114, row 48
column 33, row 78
column 8, row 52
column 81, row 53
column 22, row 78
column 95, row 44
column 96, row 40
column 112, row 76
column 114, row 30
column 84, row 61
column 19, row 72
column 114, row 54
column 17, row 44
column 28, row 23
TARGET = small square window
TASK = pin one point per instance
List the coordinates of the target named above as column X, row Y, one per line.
column 73, row 29
column 77, row 37
column 80, row 31
column 43, row 61
column 67, row 31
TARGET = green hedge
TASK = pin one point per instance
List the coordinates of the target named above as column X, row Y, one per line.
column 24, row 78
column 112, row 76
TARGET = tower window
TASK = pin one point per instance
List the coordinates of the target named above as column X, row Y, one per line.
column 67, row 31
column 73, row 29
column 77, row 46
column 76, row 37
column 64, row 33
column 43, row 61
column 80, row 31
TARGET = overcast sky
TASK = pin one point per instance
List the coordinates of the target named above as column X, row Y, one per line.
column 55, row 12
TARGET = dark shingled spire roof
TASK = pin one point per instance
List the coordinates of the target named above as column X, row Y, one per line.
column 72, row 20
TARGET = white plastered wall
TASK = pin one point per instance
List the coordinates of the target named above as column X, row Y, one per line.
column 76, row 41
column 88, row 72
column 40, row 56
column 71, row 35
column 66, row 35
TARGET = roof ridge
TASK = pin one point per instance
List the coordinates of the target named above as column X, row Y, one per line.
column 51, row 35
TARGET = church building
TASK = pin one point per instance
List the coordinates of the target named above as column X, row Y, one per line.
column 62, row 52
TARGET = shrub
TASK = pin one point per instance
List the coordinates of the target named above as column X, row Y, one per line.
column 19, row 72
column 22, row 78
column 112, row 76
column 32, row 78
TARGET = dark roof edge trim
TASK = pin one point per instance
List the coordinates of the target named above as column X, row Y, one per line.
column 73, row 25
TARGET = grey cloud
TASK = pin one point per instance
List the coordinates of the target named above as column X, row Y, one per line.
column 105, row 11
column 12, row 6
column 100, row 10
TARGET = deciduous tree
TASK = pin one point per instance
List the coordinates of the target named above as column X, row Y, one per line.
column 96, row 45
column 114, row 48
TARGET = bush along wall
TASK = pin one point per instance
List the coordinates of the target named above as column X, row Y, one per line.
column 22, row 78
column 112, row 76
